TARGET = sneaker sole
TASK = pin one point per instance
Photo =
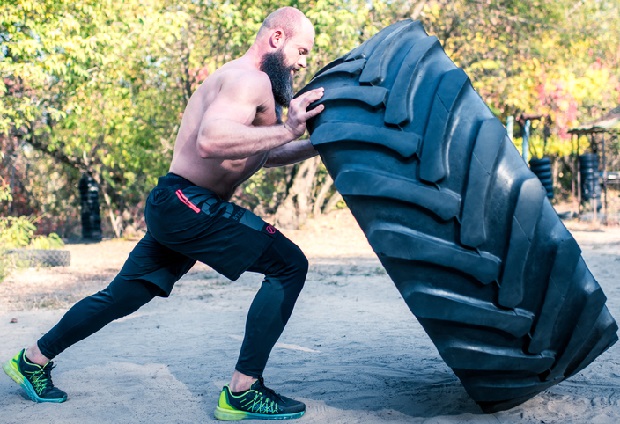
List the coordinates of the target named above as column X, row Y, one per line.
column 10, row 368
column 233, row 415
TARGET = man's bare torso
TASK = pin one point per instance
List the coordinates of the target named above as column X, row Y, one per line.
column 221, row 176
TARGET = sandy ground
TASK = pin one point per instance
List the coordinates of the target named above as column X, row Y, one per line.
column 352, row 350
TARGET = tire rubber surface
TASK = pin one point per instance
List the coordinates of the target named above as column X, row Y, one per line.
column 462, row 226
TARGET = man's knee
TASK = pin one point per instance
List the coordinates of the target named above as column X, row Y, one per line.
column 284, row 261
column 290, row 263
column 298, row 262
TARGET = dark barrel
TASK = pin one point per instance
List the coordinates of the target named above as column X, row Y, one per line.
column 89, row 198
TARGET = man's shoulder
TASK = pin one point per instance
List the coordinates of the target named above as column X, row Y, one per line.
column 242, row 75
column 253, row 86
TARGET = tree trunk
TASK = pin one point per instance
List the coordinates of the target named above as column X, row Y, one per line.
column 322, row 196
column 115, row 221
column 293, row 211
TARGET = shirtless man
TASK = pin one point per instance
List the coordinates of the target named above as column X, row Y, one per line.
column 230, row 129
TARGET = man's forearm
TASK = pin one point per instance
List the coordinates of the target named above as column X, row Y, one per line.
column 293, row 152
column 231, row 140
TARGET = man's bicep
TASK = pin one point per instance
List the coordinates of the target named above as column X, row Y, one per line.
column 234, row 102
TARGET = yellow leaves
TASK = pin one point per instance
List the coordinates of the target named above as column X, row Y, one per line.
column 322, row 41
column 30, row 6
column 69, row 22
column 486, row 64
column 432, row 9
column 5, row 189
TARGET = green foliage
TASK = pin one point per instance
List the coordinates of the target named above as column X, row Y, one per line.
column 5, row 193
column 16, row 231
column 19, row 232
column 534, row 56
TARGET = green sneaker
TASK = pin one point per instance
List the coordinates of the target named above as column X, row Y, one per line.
column 257, row 403
column 35, row 379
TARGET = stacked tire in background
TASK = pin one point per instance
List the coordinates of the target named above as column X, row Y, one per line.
column 91, row 215
column 542, row 169
column 462, row 226
column 590, row 179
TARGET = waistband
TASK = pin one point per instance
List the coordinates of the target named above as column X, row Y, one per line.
column 172, row 179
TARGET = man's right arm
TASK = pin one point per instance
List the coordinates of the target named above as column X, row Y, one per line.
column 226, row 130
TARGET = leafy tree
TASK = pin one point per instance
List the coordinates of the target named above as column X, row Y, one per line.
column 100, row 86
column 104, row 97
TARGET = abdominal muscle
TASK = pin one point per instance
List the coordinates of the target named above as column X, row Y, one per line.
column 221, row 176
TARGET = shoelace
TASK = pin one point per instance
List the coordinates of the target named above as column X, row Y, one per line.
column 263, row 405
column 263, row 401
column 42, row 379
column 271, row 393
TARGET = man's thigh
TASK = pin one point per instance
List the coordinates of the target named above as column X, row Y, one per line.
column 223, row 235
column 151, row 261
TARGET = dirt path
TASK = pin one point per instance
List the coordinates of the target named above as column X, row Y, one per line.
column 352, row 350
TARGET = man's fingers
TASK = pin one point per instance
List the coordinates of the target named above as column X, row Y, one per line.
column 314, row 112
column 298, row 113
column 308, row 97
column 311, row 96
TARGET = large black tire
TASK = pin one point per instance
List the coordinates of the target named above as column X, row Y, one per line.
column 460, row 223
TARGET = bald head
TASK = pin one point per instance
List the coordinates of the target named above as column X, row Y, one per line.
column 280, row 49
column 288, row 19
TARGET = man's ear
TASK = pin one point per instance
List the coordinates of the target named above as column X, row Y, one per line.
column 276, row 39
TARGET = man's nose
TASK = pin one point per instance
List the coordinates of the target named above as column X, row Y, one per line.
column 302, row 61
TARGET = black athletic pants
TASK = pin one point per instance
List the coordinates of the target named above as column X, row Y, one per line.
column 187, row 223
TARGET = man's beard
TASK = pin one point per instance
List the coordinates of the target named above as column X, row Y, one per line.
column 280, row 75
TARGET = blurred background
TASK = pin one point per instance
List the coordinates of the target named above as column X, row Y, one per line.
column 92, row 94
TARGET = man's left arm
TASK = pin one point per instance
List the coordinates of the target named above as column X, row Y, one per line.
column 293, row 152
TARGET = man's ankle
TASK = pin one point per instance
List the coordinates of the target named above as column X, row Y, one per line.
column 241, row 382
column 34, row 355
